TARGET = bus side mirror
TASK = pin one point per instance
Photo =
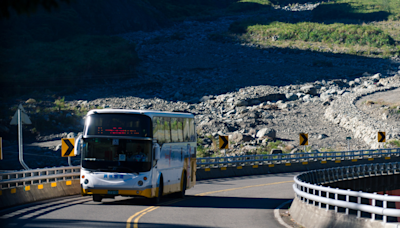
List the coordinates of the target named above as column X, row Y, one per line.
column 78, row 144
column 157, row 153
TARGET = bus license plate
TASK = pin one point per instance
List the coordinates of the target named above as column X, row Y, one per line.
column 112, row 192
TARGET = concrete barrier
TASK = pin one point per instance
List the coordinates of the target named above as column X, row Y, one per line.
column 31, row 193
column 311, row 216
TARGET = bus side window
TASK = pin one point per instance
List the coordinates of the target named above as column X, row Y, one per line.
column 167, row 129
column 158, row 129
column 180, row 130
column 186, row 130
column 192, row 131
column 174, row 129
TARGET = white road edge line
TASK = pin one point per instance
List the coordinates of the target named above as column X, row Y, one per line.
column 278, row 216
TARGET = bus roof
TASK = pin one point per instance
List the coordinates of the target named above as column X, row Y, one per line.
column 149, row 113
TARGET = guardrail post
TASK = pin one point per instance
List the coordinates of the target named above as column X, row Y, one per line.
column 336, row 198
column 314, row 195
column 319, row 203
column 347, row 200
column 359, row 202
column 373, row 204
column 327, row 196
column 384, row 207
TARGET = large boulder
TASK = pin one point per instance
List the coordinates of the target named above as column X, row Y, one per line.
column 309, row 89
column 291, row 96
column 241, row 103
column 276, row 151
column 295, row 150
column 238, row 137
column 266, row 132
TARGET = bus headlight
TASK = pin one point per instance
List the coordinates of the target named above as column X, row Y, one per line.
column 140, row 183
column 86, row 181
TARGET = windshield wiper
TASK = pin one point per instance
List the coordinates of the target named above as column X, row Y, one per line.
column 98, row 169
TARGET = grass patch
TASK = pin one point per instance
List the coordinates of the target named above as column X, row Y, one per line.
column 66, row 63
column 337, row 33
column 337, row 37
column 393, row 143
column 358, row 10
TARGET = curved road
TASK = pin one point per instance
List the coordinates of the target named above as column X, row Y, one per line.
column 230, row 202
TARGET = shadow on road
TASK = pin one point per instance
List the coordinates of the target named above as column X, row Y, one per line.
column 208, row 202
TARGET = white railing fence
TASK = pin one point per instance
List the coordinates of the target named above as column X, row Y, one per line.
column 308, row 188
column 12, row 179
column 265, row 159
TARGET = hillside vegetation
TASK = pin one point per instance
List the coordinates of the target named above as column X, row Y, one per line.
column 360, row 27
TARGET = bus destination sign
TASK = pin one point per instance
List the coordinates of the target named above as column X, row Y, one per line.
column 116, row 131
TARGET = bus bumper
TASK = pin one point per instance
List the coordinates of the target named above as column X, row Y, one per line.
column 143, row 192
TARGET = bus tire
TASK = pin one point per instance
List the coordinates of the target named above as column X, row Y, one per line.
column 97, row 198
column 183, row 192
column 157, row 199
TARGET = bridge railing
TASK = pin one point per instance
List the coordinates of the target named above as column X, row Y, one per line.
column 265, row 159
column 308, row 187
column 12, row 179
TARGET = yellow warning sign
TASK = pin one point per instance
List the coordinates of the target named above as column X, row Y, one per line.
column 303, row 139
column 381, row 136
column 223, row 142
column 67, row 147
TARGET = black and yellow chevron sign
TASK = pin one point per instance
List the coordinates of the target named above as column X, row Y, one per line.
column 381, row 136
column 303, row 139
column 223, row 142
column 67, row 147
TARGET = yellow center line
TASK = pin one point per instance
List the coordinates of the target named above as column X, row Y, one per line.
column 139, row 214
column 128, row 222
column 136, row 222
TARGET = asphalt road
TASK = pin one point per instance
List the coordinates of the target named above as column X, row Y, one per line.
column 230, row 202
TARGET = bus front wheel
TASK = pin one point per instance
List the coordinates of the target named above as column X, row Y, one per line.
column 157, row 199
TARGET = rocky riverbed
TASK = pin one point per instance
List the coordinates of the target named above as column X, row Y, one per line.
column 257, row 95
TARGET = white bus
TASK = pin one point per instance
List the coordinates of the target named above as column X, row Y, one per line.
column 137, row 153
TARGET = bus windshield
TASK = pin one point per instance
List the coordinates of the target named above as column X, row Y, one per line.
column 116, row 155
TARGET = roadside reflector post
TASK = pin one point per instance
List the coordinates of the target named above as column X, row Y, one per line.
column 348, row 143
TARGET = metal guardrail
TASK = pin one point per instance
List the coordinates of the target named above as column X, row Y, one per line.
column 10, row 179
column 308, row 188
column 265, row 159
